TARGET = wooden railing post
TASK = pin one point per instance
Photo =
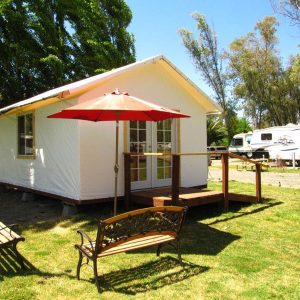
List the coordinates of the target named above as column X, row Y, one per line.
column 225, row 179
column 258, row 182
column 127, row 178
column 175, row 178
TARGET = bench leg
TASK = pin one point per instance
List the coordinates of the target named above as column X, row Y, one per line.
column 178, row 246
column 158, row 250
column 79, row 264
column 96, row 274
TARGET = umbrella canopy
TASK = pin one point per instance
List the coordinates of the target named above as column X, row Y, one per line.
column 117, row 106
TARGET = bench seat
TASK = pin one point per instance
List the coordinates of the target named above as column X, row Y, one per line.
column 130, row 244
column 142, row 228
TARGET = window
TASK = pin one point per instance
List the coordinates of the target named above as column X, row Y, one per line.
column 25, row 135
column 237, row 142
column 266, row 136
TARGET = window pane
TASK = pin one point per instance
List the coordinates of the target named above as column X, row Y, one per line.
column 133, row 135
column 142, row 124
column 142, row 136
column 160, row 173
column 25, row 134
column 160, row 136
column 142, row 175
column 160, row 162
column 28, row 124
column 167, row 148
column 142, row 162
column 160, row 147
column 29, row 146
column 168, row 136
column 167, row 124
column 266, row 136
column 133, row 147
column 160, row 125
column 168, row 161
column 168, row 173
column 133, row 124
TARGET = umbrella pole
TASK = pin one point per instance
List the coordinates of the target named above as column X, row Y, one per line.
column 116, row 169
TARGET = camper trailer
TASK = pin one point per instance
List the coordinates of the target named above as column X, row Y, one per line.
column 278, row 142
column 240, row 144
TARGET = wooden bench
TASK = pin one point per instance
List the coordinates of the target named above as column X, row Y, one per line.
column 9, row 239
column 137, row 229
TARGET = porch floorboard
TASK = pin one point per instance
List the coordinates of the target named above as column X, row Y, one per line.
column 187, row 197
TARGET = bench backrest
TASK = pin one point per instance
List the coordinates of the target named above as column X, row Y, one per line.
column 138, row 223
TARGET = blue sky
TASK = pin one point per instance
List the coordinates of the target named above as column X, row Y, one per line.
column 155, row 26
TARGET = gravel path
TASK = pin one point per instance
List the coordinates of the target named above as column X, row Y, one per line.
column 268, row 178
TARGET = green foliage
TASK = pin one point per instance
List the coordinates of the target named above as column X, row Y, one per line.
column 206, row 57
column 260, row 81
column 44, row 44
column 216, row 131
column 241, row 125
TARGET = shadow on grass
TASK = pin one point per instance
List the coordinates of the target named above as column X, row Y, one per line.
column 150, row 276
column 237, row 214
column 10, row 267
column 199, row 238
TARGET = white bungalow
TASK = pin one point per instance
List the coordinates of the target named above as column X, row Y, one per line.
column 73, row 160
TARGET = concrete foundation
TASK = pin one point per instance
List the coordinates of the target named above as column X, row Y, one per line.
column 69, row 210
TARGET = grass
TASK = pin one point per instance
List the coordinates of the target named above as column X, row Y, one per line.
column 250, row 252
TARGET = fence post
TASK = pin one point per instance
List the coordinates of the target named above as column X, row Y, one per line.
column 127, row 178
column 175, row 178
column 225, row 179
column 258, row 182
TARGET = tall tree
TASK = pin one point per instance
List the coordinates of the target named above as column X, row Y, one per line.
column 260, row 80
column 46, row 43
column 209, row 61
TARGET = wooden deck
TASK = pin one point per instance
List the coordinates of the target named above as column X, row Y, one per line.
column 187, row 197
column 176, row 195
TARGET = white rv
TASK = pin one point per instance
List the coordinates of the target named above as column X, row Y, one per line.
column 278, row 142
column 240, row 144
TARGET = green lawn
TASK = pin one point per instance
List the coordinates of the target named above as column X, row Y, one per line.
column 250, row 252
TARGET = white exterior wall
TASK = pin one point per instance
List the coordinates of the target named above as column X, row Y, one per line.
column 75, row 159
column 97, row 140
column 56, row 166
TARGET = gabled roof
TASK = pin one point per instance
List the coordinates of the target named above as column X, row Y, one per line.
column 78, row 87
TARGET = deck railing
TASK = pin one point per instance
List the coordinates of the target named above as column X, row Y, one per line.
column 176, row 157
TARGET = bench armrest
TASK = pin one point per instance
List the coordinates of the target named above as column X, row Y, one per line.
column 9, row 227
column 84, row 236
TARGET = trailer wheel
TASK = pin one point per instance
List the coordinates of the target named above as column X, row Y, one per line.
column 249, row 154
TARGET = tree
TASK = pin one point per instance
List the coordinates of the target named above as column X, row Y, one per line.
column 259, row 78
column 44, row 44
column 216, row 131
column 293, row 79
column 289, row 9
column 207, row 59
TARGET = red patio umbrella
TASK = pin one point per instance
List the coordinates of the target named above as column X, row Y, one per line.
column 117, row 106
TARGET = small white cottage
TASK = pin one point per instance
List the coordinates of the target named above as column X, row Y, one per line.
column 73, row 160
